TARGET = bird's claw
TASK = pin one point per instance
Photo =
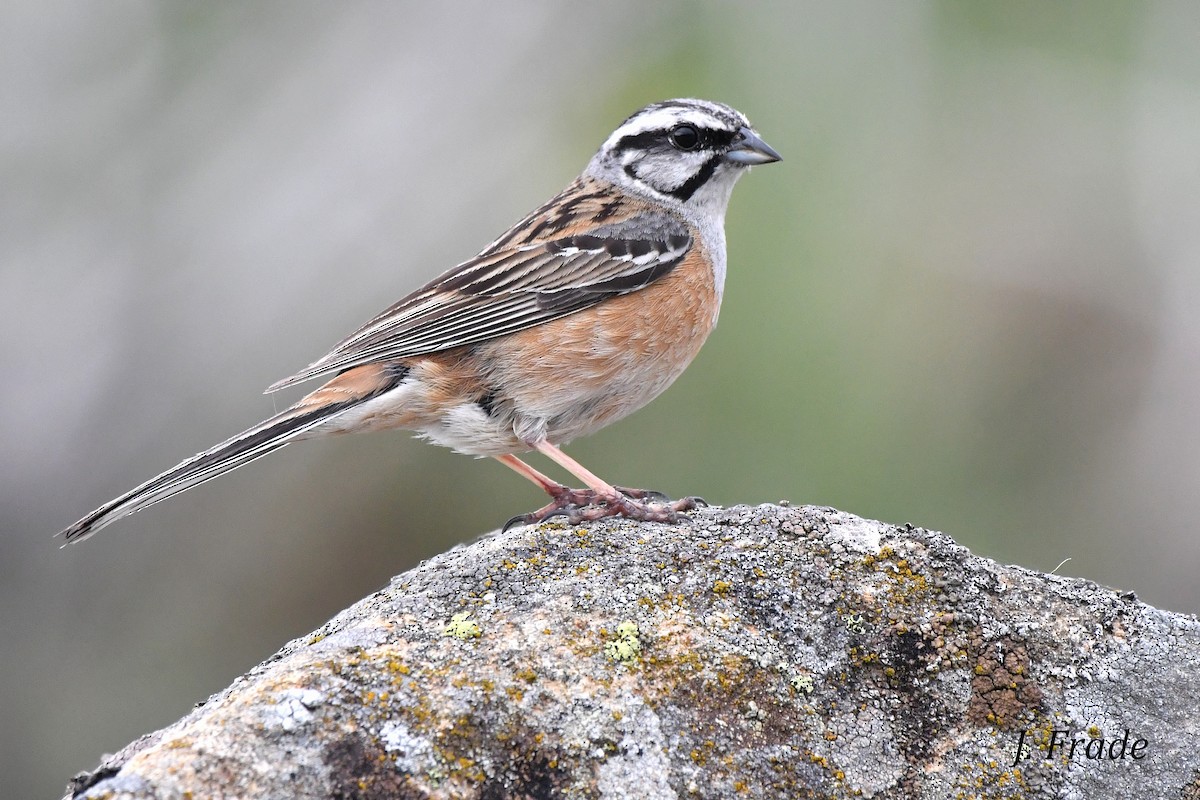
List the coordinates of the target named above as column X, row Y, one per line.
column 586, row 505
column 519, row 519
column 649, row 495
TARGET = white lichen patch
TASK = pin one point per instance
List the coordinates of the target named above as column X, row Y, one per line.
column 855, row 533
column 412, row 752
column 639, row 767
column 293, row 709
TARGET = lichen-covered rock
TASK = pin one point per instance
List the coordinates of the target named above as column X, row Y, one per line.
column 761, row 652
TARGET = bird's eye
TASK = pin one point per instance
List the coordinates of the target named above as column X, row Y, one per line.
column 685, row 137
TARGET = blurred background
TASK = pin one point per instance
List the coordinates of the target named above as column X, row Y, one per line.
column 968, row 298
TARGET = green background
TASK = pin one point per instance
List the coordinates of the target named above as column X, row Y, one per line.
column 967, row 299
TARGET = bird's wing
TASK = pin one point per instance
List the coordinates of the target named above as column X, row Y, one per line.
column 521, row 281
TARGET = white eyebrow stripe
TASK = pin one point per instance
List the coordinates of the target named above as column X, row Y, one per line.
column 697, row 112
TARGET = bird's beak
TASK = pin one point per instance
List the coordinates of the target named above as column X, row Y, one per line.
column 749, row 149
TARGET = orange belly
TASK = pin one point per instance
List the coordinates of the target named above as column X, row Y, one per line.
column 589, row 369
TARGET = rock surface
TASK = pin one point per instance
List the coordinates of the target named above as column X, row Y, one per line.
column 762, row 652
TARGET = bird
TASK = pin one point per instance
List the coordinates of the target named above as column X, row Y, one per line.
column 580, row 314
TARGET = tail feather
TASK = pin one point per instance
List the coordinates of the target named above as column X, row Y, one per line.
column 266, row 437
column 224, row 457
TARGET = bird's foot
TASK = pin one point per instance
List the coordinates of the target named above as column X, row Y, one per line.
column 585, row 505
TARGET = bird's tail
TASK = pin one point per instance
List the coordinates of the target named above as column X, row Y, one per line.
column 288, row 426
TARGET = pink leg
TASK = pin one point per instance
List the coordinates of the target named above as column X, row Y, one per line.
column 600, row 499
column 549, row 486
column 563, row 495
column 600, row 489
column 575, row 468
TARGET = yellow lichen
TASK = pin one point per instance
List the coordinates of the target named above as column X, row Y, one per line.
column 627, row 646
column 461, row 627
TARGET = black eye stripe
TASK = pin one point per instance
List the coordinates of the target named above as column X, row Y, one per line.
column 639, row 141
column 710, row 139
column 715, row 138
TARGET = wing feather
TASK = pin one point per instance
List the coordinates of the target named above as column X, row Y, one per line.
column 510, row 287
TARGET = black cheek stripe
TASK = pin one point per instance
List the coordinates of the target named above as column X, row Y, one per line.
column 689, row 187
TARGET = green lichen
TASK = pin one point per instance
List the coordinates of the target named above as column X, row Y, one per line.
column 461, row 627
column 626, row 648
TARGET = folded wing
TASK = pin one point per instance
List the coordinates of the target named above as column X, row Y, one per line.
column 507, row 290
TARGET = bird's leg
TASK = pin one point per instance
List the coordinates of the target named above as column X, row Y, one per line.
column 605, row 492
column 599, row 500
column 563, row 495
